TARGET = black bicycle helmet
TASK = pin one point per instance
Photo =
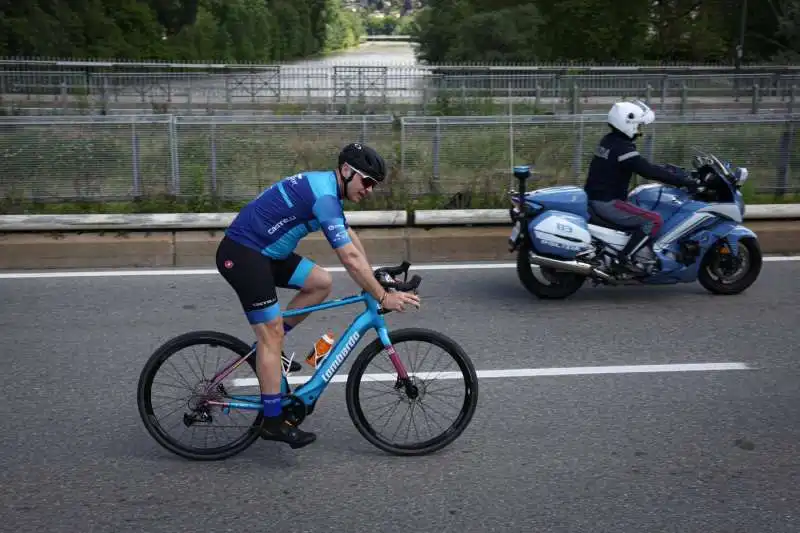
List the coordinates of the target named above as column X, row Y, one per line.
column 364, row 159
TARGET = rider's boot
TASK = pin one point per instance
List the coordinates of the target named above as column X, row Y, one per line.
column 278, row 429
column 637, row 240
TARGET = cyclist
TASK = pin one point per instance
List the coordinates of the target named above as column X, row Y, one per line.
column 256, row 255
column 615, row 160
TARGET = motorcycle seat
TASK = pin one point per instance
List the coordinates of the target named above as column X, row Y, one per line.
column 597, row 220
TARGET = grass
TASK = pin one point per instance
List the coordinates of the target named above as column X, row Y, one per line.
column 387, row 202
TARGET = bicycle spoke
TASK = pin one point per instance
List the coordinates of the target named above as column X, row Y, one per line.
column 415, row 415
column 190, row 423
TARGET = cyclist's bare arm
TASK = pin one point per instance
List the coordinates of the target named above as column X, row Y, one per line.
column 357, row 242
column 359, row 269
column 328, row 212
column 355, row 262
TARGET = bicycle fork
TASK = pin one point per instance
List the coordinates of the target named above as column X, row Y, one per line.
column 398, row 364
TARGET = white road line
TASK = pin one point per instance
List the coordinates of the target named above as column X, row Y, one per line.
column 213, row 271
column 531, row 372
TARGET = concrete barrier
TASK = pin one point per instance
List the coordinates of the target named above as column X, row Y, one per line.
column 166, row 221
column 460, row 217
column 190, row 240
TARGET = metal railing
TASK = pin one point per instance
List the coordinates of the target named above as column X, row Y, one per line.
column 191, row 88
column 108, row 158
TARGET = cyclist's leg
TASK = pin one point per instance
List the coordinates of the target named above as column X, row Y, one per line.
column 312, row 282
column 250, row 275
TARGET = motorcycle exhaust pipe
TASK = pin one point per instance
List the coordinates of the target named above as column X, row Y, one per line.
column 575, row 267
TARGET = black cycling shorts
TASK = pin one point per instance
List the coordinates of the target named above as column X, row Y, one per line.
column 255, row 276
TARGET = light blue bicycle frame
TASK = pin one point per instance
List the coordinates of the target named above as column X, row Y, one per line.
column 312, row 389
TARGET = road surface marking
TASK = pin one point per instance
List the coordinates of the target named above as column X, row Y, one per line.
column 213, row 271
column 530, row 372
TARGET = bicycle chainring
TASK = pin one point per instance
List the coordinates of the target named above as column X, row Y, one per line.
column 296, row 411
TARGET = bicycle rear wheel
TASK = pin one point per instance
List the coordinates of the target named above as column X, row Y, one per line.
column 361, row 387
column 193, row 411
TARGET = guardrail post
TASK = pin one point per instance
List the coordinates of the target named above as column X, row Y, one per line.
column 684, row 98
column 437, row 140
column 213, row 184
column 104, row 95
column 754, row 106
column 792, row 97
column 574, row 104
column 784, row 157
column 137, row 182
column 403, row 149
column 173, row 146
column 578, row 154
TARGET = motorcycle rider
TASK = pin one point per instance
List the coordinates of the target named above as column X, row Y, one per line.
column 612, row 166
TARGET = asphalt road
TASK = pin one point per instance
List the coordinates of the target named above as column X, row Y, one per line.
column 704, row 451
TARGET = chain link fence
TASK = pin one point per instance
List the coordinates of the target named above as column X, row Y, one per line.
column 450, row 155
column 123, row 158
column 120, row 158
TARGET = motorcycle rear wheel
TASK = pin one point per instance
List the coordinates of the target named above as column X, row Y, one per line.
column 547, row 284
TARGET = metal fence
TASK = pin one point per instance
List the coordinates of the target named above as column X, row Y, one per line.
column 100, row 87
column 452, row 154
column 107, row 158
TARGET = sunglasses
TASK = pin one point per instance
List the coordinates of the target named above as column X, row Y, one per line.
column 368, row 180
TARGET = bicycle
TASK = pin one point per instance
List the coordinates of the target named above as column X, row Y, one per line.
column 209, row 395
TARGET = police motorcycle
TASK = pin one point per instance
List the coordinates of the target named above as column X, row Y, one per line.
column 560, row 242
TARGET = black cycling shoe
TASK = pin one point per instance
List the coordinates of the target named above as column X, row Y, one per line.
column 279, row 430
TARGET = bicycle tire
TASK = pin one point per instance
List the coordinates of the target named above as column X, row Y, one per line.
column 438, row 442
column 146, row 409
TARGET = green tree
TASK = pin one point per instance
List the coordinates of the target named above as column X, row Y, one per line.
column 223, row 30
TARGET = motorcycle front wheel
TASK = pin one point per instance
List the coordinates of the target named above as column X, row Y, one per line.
column 723, row 273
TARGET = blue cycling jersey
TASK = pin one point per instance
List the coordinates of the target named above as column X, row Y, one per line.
column 275, row 221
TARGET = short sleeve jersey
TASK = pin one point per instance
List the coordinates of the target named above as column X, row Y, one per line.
column 274, row 222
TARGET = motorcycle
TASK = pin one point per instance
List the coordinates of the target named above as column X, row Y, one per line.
column 560, row 242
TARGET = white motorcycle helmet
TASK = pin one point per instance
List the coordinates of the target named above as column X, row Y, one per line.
column 627, row 117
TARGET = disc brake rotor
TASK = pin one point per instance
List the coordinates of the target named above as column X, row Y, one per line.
column 729, row 268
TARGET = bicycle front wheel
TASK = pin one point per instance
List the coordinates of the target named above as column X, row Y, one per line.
column 420, row 395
